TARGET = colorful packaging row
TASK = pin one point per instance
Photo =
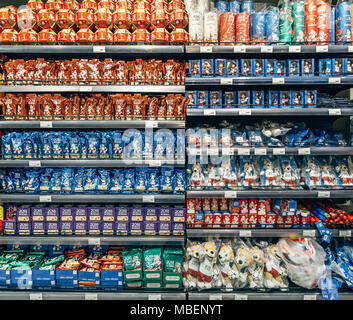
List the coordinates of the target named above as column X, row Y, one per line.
column 93, row 145
column 82, row 220
column 252, row 99
column 271, row 172
column 92, row 181
column 92, row 107
column 93, row 71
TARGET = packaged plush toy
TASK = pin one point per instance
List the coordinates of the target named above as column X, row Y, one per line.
column 227, row 266
column 328, row 176
column 270, row 172
column 312, row 173
column 196, row 176
column 342, row 170
column 242, row 261
column 193, row 254
column 275, row 271
column 290, row 173
column 256, row 269
column 249, row 176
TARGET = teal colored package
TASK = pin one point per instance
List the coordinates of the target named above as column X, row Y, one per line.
column 152, row 259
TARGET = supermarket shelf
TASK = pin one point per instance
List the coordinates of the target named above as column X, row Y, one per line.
column 95, row 88
column 91, row 124
column 266, row 150
column 92, row 198
column 291, row 194
column 114, row 295
column 270, row 112
column 93, row 240
column 89, row 163
column 261, row 233
column 274, row 295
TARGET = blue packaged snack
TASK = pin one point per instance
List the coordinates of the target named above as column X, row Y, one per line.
column 66, row 137
column 258, row 67
column 246, row 67
column 133, row 145
column 167, row 174
column 57, row 145
column 195, row 68
column 232, row 67
column 220, row 67
column 148, row 145
column 31, row 184
column 333, row 25
column 273, row 99
column 105, row 146
column 160, row 144
column 192, row 96
column 84, row 147
column 258, row 99
column 79, row 180
column 221, row 6
column 255, row 138
column 285, row 99
column 17, row 145
column 270, row 67
column 337, row 66
column 343, row 23
column 116, row 181
column 19, row 179
column 348, row 66
column 180, row 145
column 325, row 67
column 153, row 180
column 141, row 180
column 207, row 67
column 28, row 146
column 67, row 180
column 281, row 68
column 337, row 139
column 247, row 6
column 297, row 98
column 46, row 151
column 229, row 99
column 45, row 178
column 117, row 144
column 202, row 98
column 321, row 137
column 273, row 142
column 6, row 147
column 304, row 138
column 308, row 67
column 90, row 180
column 243, row 99
column 272, row 25
column 93, row 143
column 234, row 7
column 9, row 183
column 37, row 144
column 258, row 27
column 129, row 181
column 240, row 139
column 293, row 67
column 215, row 99
column 179, row 184
column 103, row 181
column 75, row 145
column 55, row 181
column 310, row 98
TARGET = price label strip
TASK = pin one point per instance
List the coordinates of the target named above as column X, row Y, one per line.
column 205, row 49
column 266, row 49
column 278, row 81
column 94, row 241
column 212, row 152
column 243, row 151
column 230, row 194
column 321, row 49
column 279, row 151
column 245, row 233
column 35, row 296
column 46, row 124
column 334, row 80
column 154, row 297
column 310, row 297
column 260, row 151
column 91, row 296
column 34, row 164
column 227, row 151
column 344, row 233
column 86, row 89
column 239, row 49
column 294, row 49
column 99, row 49
column 155, row 163
column 334, row 112
column 150, row 124
column 226, row 81
column 148, row 198
column 240, row 297
column 304, row 151
column 323, row 194
column 215, row 297
column 209, row 112
column 45, row 199
column 309, row 233
column 244, row 112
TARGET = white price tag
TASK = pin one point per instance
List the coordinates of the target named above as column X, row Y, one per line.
column 215, row 297
column 45, row 199
column 321, row 48
column 278, row 80
column 212, row 152
column 148, row 198
column 323, row 194
column 244, row 233
column 34, row 163
column 205, row 49
column 334, row 112
column 226, row 81
column 260, row 151
column 209, row 112
column 35, row 296
column 334, row 80
column 294, row 49
column 227, row 151
column 94, row 241
column 239, row 49
column 279, row 151
column 350, row 48
column 230, row 194
column 46, row 124
column 194, row 152
column 86, row 89
column 309, row 296
column 154, row 297
column 304, row 151
column 309, row 233
column 345, row 233
column 155, row 163
column 240, row 297
column 243, row 151
column 244, row 112
column 91, row 296
column 99, row 49
column 266, row 49
column 150, row 124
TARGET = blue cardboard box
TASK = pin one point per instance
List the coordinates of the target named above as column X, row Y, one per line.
column 21, row 279
column 5, row 278
column 43, row 278
column 111, row 278
column 89, row 276
column 66, row 277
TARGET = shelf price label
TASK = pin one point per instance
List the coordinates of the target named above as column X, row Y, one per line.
column 155, row 163
column 240, row 297
column 244, row 112
column 86, row 88
column 215, row 297
column 334, row 80
column 34, row 163
column 148, row 198
column 35, row 296
column 304, row 151
column 244, row 233
column 194, row 152
column 278, row 80
column 230, row 194
column 350, row 48
column 45, row 199
column 94, row 241
column 205, row 49
column 239, row 49
column 279, row 151
column 260, row 151
column 150, row 124
column 309, row 233
column 99, row 49
column 344, row 233
column 323, row 194
column 154, row 297
column 243, row 151
column 321, row 49
column 209, row 112
column 334, row 112
column 226, row 81
column 212, row 152
column 227, row 151
column 294, row 49
column 46, row 124
column 309, row 296
column 266, row 49
column 91, row 296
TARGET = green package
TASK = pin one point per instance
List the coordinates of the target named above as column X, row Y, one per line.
column 48, row 267
column 18, row 265
column 132, row 259
column 153, row 259
column 52, row 261
column 173, row 260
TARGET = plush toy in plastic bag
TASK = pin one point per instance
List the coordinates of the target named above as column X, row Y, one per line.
column 305, row 261
column 226, row 265
column 256, row 269
column 191, row 265
column 275, row 271
column 242, row 260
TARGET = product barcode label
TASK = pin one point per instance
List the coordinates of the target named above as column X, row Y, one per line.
column 149, row 124
column 206, row 49
column 154, row 297
column 303, row 151
column 245, row 233
column 99, row 49
column 228, row 151
column 278, row 81
column 278, row 151
column 86, row 89
column 266, row 49
column 294, row 49
column 155, row 163
column 244, row 112
column 345, row 233
column 230, row 194
column 45, row 199
column 309, row 296
column 321, row 48
column 323, row 194
column 334, row 80
column 35, row 296
column 239, row 49
column 334, row 112
column 226, row 81
column 94, row 241
column 148, row 198
column 240, row 297
column 91, row 296
column 209, row 112
column 46, row 124
column 215, row 297
column 309, row 233
column 34, row 163
column 243, row 151
column 260, row 151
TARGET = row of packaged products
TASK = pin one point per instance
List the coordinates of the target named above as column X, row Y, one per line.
column 93, row 71
column 92, row 181
column 272, row 172
column 93, row 145
column 34, row 106
column 270, row 67
column 252, row 99
column 83, row 220
column 265, row 134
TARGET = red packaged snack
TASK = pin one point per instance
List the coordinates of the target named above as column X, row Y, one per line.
column 271, row 218
column 234, row 220
column 75, row 108
column 85, row 36
column 217, row 219
column 107, row 71
column 89, row 4
column 323, row 22
column 122, row 36
column 178, row 18
column 138, row 106
column 159, row 5
column 179, row 35
column 9, row 36
column 33, row 106
column 176, row 5
column 311, row 21
column 141, row 35
column 47, row 107
column 8, row 106
column 90, row 108
column 26, row 18
column 67, row 36
column 65, row 19
column 119, row 105
column 170, row 107
column 152, row 108
column 7, row 18
column 27, row 36
column 72, row 5
column 82, row 70
column 160, row 35
column 180, row 107
column 142, row 5
column 242, row 28
column 93, row 71
column 122, row 18
column 46, row 19
column 107, row 4
column 125, row 4
column 54, row 5
column 108, row 109
column 227, row 27
column 47, row 36
column 170, row 72
column 121, row 67
column 104, row 36
column 159, row 18
column 36, row 5
column 161, row 111
column 58, row 106
column 226, row 220
column 103, row 18
column 21, row 111
column 84, row 18
column 141, row 18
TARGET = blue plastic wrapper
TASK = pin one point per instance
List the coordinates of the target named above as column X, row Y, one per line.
column 247, row 6
column 141, row 180
column 66, row 137
column 17, row 145
column 45, row 178
column 153, row 180
column 79, row 181
column 46, row 150
column 75, row 145
column 67, row 180
column 343, row 23
column 179, row 183
column 116, row 138
column 57, row 145
column 6, row 146
column 103, row 182
column 240, row 139
column 342, row 170
column 93, row 145
column 90, row 180
column 55, row 181
column 337, row 139
column 116, row 181
column 249, row 176
column 222, row 6
column 258, row 27
column 84, row 147
column 255, row 138
column 269, row 172
column 148, row 146
column 234, row 7
column 312, row 173
column 28, row 146
column 105, row 146
column 129, row 182
column 290, row 173
column 321, row 137
column 31, row 183
column 272, row 26
column 180, row 145
column 167, row 174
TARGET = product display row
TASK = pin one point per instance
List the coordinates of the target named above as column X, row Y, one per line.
column 252, row 99
column 272, row 172
column 94, row 220
column 81, row 181
column 92, row 107
column 93, row 71
column 265, row 213
column 93, row 145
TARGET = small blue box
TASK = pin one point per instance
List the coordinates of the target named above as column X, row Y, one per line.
column 325, row 67
column 220, row 67
column 195, row 68
column 348, row 66
column 111, row 278
column 21, row 279
column 243, row 98
column 232, row 68
column 285, row 99
column 297, row 98
column 192, row 96
column 5, row 277
column 246, row 67
column 66, row 278
column 293, row 68
column 89, row 277
column 215, row 99
column 308, row 67
column 310, row 98
column 258, row 67
column 270, row 67
column 273, row 99
column 258, row 99
column 229, row 98
column 207, row 68
column 43, row 278
column 202, row 99
column 281, row 69
column 337, row 66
